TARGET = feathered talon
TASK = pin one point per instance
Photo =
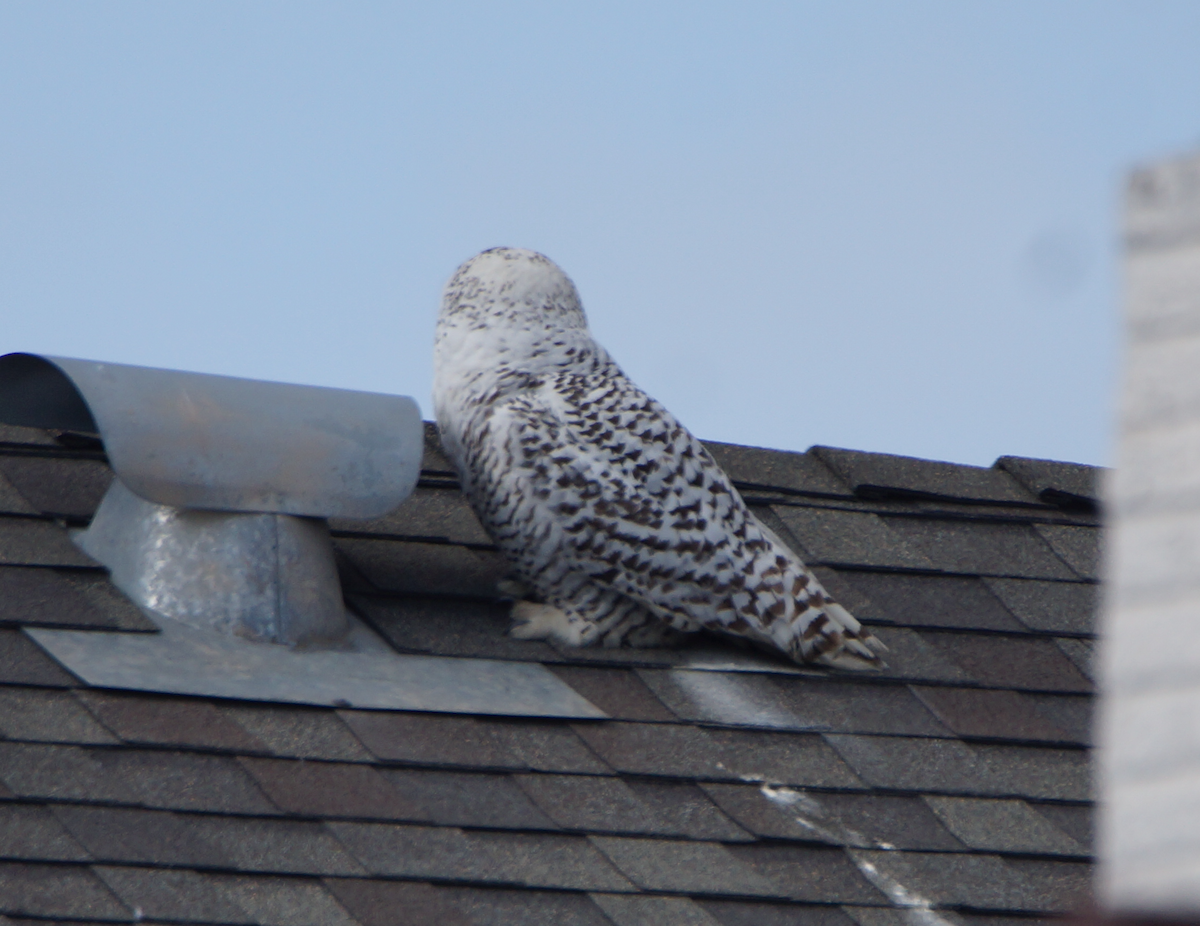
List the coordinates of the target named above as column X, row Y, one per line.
column 535, row 621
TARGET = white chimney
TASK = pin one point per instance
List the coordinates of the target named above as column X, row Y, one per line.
column 1150, row 720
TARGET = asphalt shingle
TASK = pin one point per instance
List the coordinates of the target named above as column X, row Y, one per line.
column 795, row 472
column 655, row 749
column 1055, row 887
column 284, row 901
column 1051, row 481
column 1082, row 654
column 178, row 894
column 58, row 486
column 610, row 805
column 981, row 881
column 450, row 627
column 911, row 658
column 48, row 716
column 688, row 752
column 991, row 548
column 529, row 908
column 924, row 601
column 429, row 739
column 57, row 891
column 12, row 501
column 590, row 803
column 1024, row 663
column 332, row 789
column 150, row 837
column 282, row 846
column 990, row 714
column 881, row 475
column 374, row 903
column 868, row 820
column 30, row 437
column 1076, row 820
column 140, row 718
column 545, row 746
column 83, row 599
column 420, row 568
column 185, row 781
column 1077, row 546
column 563, row 862
column 821, row 875
column 784, row 758
column 897, row 916
column 1032, row 772
column 467, row 799
column 298, row 732
column 736, row 698
column 746, row 805
column 412, row 851
column 620, row 693
column 859, row 707
column 741, row 913
column 1074, row 714
column 889, row 820
column 1052, row 607
column 170, row 780
column 441, row 514
column 34, row 542
column 108, row 606
column 686, row 810
column 1002, row 826
column 621, row 658
column 60, row 773
column 792, row 703
column 635, row 910
column 33, row 833
column 904, row 764
column 834, row 536
column 684, row 867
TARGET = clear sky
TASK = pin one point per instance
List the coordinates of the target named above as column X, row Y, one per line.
column 885, row 226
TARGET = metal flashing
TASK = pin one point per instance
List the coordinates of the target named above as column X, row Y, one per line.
column 186, row 661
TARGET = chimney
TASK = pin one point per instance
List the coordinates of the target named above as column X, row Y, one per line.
column 1150, row 720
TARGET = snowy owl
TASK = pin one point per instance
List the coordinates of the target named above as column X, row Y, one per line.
column 620, row 527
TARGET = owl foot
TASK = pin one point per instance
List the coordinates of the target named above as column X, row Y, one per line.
column 533, row 621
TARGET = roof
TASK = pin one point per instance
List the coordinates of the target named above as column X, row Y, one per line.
column 726, row 787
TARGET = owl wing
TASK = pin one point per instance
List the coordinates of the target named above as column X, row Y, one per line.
column 620, row 491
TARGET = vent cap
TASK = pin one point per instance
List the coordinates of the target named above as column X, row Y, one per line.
column 197, row 440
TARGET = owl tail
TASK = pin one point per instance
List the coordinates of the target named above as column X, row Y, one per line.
column 839, row 641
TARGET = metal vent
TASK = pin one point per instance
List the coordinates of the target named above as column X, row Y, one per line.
column 216, row 525
column 216, row 517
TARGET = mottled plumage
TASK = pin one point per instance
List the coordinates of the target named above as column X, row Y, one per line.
column 620, row 526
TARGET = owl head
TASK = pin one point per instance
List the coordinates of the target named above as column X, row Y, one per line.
column 512, row 288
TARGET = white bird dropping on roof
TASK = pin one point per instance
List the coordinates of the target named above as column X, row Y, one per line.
column 618, row 524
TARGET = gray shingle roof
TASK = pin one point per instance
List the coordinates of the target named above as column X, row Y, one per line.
column 725, row 789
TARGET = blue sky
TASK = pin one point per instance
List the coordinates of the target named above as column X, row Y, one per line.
column 883, row 226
